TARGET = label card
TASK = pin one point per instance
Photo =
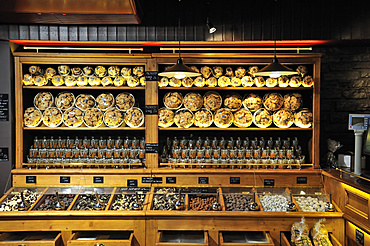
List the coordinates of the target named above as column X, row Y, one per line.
column 301, row 180
column 203, row 180
column 151, row 148
column 170, row 180
column 65, row 179
column 31, row 179
column 4, row 107
column 157, row 180
column 269, row 182
column 4, row 154
column 132, row 183
column 151, row 109
column 98, row 180
column 360, row 237
column 234, row 180
column 151, row 75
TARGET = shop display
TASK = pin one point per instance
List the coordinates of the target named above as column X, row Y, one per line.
column 252, row 102
column 63, row 151
column 90, row 201
column 272, row 202
column 70, row 81
column 193, row 101
column 237, row 202
column 134, row 117
column 262, row 118
column 165, row 117
column 310, row 203
column 104, row 101
column 283, row 118
column 273, row 101
column 113, row 117
column 43, row 100
column 320, row 234
column 93, row 117
column 243, row 118
column 166, row 198
column 233, row 153
column 85, row 101
column 52, row 117
column 172, row 100
column 73, row 117
column 127, row 202
column 14, row 199
column 184, row 118
column 303, row 118
column 203, row 118
column 292, row 101
column 65, row 100
column 64, row 70
column 201, row 202
column 32, row 117
column 232, row 101
column 223, row 118
column 212, row 100
column 48, row 202
column 300, row 234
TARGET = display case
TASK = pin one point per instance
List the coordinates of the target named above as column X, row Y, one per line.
column 155, row 157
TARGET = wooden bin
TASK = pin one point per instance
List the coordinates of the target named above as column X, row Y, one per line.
column 241, row 238
column 31, row 238
column 110, row 238
column 285, row 239
column 171, row 238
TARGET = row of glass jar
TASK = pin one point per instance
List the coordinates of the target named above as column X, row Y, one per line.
column 236, row 163
column 79, row 161
column 88, row 142
column 219, row 153
column 75, row 153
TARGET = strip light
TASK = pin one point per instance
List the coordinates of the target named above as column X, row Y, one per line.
column 82, row 48
column 238, row 49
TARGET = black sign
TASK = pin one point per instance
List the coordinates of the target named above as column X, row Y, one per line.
column 360, row 237
column 98, row 180
column 234, row 180
column 151, row 148
column 203, row 180
column 151, row 75
column 269, row 182
column 301, row 180
column 4, row 107
column 132, row 183
column 157, row 180
column 65, row 179
column 4, row 154
column 151, row 109
column 31, row 179
column 170, row 180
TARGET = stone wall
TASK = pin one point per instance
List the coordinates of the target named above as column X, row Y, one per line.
column 345, row 89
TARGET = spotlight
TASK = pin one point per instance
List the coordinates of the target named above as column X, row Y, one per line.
column 211, row 27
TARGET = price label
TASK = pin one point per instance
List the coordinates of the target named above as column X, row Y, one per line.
column 234, row 180
column 4, row 107
column 151, row 109
column 203, row 180
column 98, row 180
column 301, row 180
column 360, row 237
column 65, row 179
column 151, row 75
column 269, row 182
column 132, row 183
column 170, row 180
column 31, row 179
column 151, row 148
column 157, row 180
column 4, row 154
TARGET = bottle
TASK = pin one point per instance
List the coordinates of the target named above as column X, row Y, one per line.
column 246, row 143
column 262, row 143
column 270, row 143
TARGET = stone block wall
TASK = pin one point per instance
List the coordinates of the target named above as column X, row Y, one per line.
column 345, row 89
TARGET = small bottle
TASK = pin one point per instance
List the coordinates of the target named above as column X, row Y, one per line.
column 199, row 143
column 246, row 143
column 270, row 143
column 278, row 143
column 207, row 142
column 295, row 142
column 238, row 143
column 214, row 143
column 262, row 143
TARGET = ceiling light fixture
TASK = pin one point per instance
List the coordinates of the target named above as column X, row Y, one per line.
column 179, row 70
column 210, row 26
column 275, row 69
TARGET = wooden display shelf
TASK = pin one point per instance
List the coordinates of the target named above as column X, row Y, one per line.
column 234, row 129
column 83, row 128
column 31, row 238
column 33, row 87
column 237, row 88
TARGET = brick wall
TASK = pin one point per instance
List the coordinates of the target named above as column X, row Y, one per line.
column 345, row 89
